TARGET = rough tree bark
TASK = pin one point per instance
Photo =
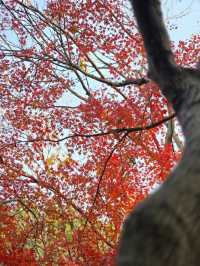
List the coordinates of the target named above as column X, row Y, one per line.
column 165, row 228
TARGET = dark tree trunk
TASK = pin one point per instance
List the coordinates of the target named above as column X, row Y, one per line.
column 165, row 229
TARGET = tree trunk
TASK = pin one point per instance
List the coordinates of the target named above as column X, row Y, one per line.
column 165, row 229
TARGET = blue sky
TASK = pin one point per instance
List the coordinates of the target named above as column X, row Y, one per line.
column 185, row 14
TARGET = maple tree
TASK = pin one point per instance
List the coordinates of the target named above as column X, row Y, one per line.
column 85, row 135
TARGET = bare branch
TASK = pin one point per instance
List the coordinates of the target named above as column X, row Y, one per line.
column 100, row 134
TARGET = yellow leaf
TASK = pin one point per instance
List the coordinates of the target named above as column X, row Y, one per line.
column 83, row 65
column 50, row 161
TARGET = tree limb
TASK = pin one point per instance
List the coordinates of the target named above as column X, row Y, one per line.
column 165, row 228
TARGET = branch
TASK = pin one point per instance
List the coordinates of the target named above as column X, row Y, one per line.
column 164, row 229
column 101, row 177
column 138, row 82
column 157, row 44
column 100, row 134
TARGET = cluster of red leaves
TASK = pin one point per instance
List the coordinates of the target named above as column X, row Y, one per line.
column 71, row 169
column 10, row 253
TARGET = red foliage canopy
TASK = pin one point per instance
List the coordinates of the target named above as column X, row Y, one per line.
column 84, row 134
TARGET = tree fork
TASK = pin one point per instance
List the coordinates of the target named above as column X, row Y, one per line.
column 165, row 228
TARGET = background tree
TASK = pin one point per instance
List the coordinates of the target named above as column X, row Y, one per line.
column 85, row 135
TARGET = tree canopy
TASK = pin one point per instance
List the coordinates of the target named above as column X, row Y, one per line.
column 85, row 134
